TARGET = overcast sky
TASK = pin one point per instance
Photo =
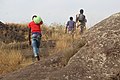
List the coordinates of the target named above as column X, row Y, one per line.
column 59, row 11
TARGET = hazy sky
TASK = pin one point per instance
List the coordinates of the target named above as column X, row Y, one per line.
column 59, row 11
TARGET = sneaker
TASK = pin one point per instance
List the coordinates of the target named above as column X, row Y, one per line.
column 38, row 58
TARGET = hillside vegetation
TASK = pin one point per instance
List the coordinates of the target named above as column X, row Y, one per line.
column 15, row 53
column 94, row 55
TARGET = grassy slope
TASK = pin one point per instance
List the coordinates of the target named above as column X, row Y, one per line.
column 17, row 54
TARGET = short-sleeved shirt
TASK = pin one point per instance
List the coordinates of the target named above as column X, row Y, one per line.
column 35, row 27
column 70, row 25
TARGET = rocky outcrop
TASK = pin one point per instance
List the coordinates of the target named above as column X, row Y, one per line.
column 97, row 59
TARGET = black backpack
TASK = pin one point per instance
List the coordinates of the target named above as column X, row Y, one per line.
column 81, row 18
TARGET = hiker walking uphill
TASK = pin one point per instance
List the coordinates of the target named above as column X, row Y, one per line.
column 70, row 27
column 82, row 21
column 35, row 34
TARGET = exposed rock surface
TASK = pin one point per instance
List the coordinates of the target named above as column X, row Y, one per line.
column 98, row 59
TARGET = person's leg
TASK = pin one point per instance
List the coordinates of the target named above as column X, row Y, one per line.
column 38, row 45
column 73, row 32
column 69, row 32
column 81, row 26
column 35, row 48
column 84, row 27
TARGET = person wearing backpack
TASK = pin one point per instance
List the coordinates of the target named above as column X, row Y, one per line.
column 35, row 34
column 70, row 26
column 82, row 20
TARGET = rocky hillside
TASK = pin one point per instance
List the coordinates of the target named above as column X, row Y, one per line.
column 97, row 59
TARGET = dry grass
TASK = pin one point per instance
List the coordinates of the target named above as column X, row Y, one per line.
column 64, row 42
column 10, row 60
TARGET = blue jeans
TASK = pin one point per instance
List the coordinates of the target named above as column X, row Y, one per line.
column 36, row 44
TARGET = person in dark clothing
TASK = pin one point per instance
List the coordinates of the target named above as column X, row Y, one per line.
column 82, row 20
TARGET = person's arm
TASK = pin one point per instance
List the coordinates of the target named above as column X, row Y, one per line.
column 85, row 19
column 41, row 22
column 29, row 36
column 66, row 27
column 77, row 18
column 74, row 26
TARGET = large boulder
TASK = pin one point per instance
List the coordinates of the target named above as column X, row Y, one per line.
column 97, row 59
